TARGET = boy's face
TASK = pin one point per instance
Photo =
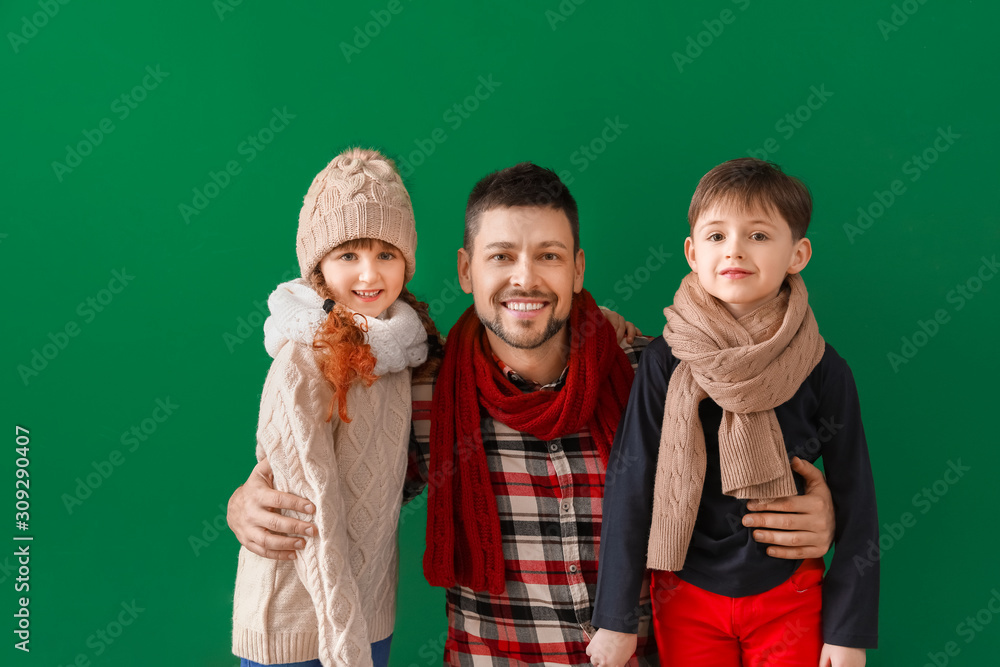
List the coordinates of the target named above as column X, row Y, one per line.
column 742, row 258
column 366, row 280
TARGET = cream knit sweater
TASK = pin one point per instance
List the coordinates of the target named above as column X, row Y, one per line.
column 339, row 595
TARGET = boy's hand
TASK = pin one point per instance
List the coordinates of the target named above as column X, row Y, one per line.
column 841, row 656
column 623, row 329
column 611, row 649
column 806, row 528
column 254, row 519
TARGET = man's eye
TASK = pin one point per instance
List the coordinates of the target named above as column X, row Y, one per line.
column 550, row 256
column 499, row 257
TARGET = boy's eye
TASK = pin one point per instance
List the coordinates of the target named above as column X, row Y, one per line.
column 386, row 255
column 759, row 236
column 348, row 256
column 715, row 237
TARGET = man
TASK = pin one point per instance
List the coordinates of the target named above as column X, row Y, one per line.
column 524, row 409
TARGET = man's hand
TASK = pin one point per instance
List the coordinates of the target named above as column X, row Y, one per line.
column 623, row 329
column 841, row 656
column 807, row 530
column 611, row 649
column 253, row 516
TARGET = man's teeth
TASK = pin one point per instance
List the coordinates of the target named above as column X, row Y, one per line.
column 367, row 295
column 516, row 305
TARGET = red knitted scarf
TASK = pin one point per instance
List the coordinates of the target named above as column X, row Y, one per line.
column 463, row 527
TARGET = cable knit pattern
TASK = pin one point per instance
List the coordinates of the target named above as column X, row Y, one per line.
column 748, row 367
column 354, row 474
column 397, row 336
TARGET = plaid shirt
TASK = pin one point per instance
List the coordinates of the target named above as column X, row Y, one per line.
column 549, row 496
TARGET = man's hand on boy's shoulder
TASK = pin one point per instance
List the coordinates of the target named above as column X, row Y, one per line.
column 798, row 526
column 624, row 330
column 253, row 516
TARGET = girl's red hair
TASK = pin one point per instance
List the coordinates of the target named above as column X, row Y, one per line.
column 341, row 351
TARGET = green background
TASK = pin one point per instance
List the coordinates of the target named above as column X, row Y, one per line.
column 186, row 327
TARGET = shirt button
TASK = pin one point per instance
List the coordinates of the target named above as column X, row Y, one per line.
column 572, row 569
column 553, row 446
column 565, row 506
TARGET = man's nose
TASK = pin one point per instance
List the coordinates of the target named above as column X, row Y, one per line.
column 524, row 275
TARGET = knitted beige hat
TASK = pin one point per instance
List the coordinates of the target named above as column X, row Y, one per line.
column 358, row 195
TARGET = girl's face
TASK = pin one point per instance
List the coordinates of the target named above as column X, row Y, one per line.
column 365, row 275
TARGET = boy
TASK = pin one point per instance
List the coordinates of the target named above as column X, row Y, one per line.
column 740, row 382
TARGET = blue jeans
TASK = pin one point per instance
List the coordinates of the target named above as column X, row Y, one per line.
column 380, row 656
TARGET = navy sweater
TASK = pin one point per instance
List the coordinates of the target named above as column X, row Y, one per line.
column 823, row 418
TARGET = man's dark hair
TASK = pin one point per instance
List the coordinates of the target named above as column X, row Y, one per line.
column 524, row 184
column 748, row 183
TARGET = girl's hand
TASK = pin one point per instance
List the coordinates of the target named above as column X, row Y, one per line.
column 841, row 656
column 611, row 649
column 623, row 329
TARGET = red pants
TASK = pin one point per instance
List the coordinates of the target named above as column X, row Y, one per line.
column 778, row 628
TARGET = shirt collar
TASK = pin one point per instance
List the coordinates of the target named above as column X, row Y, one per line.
column 528, row 386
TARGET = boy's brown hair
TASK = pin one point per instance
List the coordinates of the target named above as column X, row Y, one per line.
column 746, row 184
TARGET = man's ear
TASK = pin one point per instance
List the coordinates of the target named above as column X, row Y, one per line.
column 801, row 255
column 579, row 264
column 464, row 271
column 689, row 254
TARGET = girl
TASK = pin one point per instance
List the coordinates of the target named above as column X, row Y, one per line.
column 335, row 422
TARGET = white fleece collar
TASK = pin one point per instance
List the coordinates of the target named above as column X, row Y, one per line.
column 397, row 336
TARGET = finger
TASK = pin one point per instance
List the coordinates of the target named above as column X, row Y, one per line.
column 281, row 500
column 809, row 472
column 630, row 332
column 783, row 538
column 795, row 553
column 795, row 504
column 279, row 523
column 275, row 542
column 263, row 469
column 269, row 553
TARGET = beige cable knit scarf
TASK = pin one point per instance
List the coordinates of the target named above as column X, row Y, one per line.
column 748, row 367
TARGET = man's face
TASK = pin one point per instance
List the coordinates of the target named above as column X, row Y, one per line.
column 522, row 274
column 742, row 258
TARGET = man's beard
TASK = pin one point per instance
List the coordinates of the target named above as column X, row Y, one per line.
column 523, row 342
